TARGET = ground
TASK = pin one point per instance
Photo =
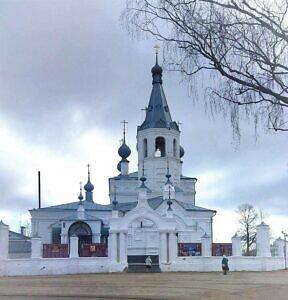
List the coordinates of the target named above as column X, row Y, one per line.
column 236, row 285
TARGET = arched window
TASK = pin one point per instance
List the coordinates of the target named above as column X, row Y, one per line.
column 174, row 148
column 82, row 230
column 145, row 150
column 160, row 150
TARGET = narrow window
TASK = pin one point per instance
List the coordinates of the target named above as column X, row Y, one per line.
column 145, row 148
column 160, row 150
column 174, row 148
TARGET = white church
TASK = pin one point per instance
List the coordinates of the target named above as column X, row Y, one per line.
column 152, row 212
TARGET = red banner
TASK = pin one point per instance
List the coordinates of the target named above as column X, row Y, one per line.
column 55, row 250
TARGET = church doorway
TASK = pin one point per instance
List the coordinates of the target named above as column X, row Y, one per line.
column 83, row 231
column 143, row 238
column 143, row 241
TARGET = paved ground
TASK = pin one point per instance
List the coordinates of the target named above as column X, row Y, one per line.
column 237, row 285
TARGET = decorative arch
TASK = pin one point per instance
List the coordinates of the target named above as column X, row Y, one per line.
column 160, row 146
column 137, row 216
column 80, row 229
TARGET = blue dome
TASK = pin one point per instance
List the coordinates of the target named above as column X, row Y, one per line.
column 182, row 152
column 88, row 187
column 124, row 151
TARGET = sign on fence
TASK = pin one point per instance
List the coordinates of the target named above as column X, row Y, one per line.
column 55, row 250
column 93, row 250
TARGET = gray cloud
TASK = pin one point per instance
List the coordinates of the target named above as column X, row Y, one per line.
column 66, row 67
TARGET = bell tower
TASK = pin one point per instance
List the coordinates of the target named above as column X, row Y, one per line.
column 158, row 138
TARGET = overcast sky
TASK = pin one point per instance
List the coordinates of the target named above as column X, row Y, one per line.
column 69, row 74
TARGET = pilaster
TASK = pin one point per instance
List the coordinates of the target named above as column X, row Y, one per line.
column 36, row 247
column 74, row 247
column 236, row 245
column 263, row 240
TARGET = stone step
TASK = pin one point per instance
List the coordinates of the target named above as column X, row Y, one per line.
column 141, row 268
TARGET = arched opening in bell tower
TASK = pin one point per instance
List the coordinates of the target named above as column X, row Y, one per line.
column 160, row 150
column 145, row 148
column 174, row 148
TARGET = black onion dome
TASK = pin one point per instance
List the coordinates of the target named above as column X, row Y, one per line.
column 124, row 151
column 89, row 187
column 156, row 70
column 182, row 152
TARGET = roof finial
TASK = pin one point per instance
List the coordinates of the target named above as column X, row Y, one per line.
column 168, row 172
column 88, row 166
column 80, row 195
column 169, row 202
column 124, row 130
column 143, row 178
column 157, row 48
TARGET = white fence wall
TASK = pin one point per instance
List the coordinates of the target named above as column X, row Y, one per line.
column 213, row 264
column 56, row 266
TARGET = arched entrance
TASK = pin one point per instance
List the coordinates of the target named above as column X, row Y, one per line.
column 143, row 237
column 142, row 240
column 83, row 231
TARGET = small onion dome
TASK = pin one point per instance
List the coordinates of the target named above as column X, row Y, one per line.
column 80, row 197
column 124, row 151
column 119, row 166
column 143, row 179
column 182, row 152
column 156, row 70
column 89, row 187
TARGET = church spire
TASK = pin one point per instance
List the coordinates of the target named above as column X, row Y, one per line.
column 158, row 114
column 124, row 151
column 89, row 187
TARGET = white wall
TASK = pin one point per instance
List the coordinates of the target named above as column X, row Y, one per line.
column 213, row 264
column 54, row 266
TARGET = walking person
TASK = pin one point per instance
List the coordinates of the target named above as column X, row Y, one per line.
column 225, row 266
column 148, row 263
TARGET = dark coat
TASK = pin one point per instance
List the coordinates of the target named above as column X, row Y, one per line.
column 225, row 264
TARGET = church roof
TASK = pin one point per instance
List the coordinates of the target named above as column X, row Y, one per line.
column 157, row 113
column 130, row 176
column 88, row 205
column 87, row 217
column 154, row 203
column 157, row 201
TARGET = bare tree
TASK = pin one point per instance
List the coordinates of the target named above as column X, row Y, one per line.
column 242, row 44
column 248, row 218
